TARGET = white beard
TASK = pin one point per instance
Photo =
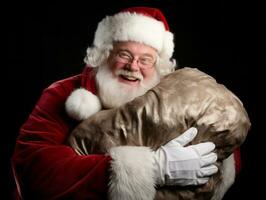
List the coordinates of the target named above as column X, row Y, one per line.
column 114, row 94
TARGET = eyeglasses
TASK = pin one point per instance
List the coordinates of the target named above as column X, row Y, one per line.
column 144, row 62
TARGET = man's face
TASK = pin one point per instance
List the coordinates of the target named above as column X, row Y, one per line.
column 132, row 63
column 129, row 73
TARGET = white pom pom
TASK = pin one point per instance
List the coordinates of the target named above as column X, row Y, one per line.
column 82, row 103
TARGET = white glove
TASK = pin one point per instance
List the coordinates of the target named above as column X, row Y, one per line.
column 179, row 165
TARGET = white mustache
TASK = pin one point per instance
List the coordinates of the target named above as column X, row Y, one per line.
column 130, row 74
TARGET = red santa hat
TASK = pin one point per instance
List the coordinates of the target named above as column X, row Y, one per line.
column 139, row 24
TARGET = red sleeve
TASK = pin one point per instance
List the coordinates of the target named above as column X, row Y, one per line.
column 238, row 162
column 44, row 166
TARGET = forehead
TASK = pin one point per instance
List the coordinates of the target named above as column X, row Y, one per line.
column 135, row 48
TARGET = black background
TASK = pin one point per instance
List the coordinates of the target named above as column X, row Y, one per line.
column 222, row 38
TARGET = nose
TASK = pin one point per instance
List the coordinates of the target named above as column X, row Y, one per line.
column 133, row 65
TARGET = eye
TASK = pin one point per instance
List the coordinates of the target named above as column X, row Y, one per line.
column 124, row 55
column 145, row 61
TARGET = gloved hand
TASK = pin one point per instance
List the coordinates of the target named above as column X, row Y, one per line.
column 180, row 165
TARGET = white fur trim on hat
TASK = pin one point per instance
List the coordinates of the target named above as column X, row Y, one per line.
column 132, row 173
column 126, row 26
column 81, row 104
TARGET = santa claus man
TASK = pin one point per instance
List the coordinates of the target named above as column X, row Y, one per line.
column 131, row 51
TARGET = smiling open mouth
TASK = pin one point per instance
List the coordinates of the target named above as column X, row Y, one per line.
column 129, row 78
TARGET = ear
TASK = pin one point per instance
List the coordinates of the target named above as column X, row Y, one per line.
column 81, row 104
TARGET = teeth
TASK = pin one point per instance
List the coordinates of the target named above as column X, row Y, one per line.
column 131, row 78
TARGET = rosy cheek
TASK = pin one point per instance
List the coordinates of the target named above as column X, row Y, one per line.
column 114, row 67
column 148, row 74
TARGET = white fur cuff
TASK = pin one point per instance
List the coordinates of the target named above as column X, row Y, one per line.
column 81, row 104
column 132, row 173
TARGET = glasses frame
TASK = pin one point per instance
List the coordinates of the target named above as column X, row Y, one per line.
column 126, row 57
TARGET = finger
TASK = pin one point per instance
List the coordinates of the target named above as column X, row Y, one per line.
column 187, row 182
column 207, row 171
column 208, row 159
column 201, row 181
column 203, row 148
column 187, row 136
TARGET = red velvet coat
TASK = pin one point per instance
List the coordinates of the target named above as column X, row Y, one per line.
column 45, row 167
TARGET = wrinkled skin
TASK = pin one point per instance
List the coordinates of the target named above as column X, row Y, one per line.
column 184, row 98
